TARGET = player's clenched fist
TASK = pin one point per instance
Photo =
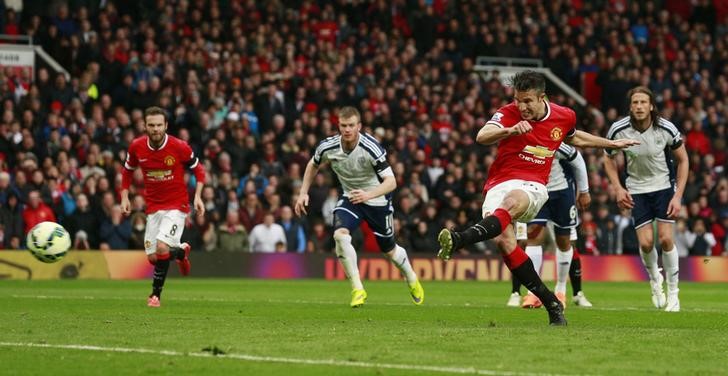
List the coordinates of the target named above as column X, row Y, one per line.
column 521, row 127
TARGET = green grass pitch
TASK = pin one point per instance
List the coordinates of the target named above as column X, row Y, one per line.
column 305, row 327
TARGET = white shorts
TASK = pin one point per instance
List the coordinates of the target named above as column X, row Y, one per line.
column 537, row 197
column 522, row 232
column 165, row 226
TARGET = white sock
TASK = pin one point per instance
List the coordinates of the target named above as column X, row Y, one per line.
column 671, row 262
column 535, row 253
column 399, row 258
column 563, row 263
column 347, row 256
column 650, row 262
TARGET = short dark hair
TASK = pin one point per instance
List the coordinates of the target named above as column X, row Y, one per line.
column 154, row 110
column 654, row 114
column 529, row 80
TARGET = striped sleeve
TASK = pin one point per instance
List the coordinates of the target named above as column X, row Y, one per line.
column 330, row 143
column 566, row 151
column 614, row 130
column 676, row 139
column 378, row 154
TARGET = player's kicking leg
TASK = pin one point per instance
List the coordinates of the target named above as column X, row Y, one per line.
column 488, row 228
column 503, row 203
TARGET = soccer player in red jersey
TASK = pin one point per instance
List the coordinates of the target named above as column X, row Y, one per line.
column 163, row 159
column 528, row 132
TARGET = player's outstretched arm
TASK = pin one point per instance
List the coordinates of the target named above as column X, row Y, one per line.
column 491, row 133
column 584, row 139
column 308, row 175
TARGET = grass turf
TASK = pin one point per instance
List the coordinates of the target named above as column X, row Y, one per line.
column 306, row 327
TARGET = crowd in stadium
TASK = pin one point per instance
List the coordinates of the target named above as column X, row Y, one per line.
column 254, row 85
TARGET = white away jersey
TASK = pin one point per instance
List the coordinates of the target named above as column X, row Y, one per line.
column 557, row 177
column 362, row 168
column 648, row 168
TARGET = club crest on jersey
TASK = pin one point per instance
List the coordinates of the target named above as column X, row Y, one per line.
column 169, row 160
column 147, row 244
column 556, row 134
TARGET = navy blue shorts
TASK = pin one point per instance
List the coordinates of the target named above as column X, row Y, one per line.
column 561, row 210
column 651, row 206
column 379, row 219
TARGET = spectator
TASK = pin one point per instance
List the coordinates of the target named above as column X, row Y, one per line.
column 118, row 60
column 699, row 240
column 138, row 225
column 265, row 235
column 36, row 211
column 424, row 239
column 320, row 240
column 11, row 222
column 115, row 230
column 231, row 235
column 251, row 212
column 200, row 233
column 84, row 219
column 293, row 228
column 259, row 181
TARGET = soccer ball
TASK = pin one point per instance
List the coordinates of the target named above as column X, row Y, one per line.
column 48, row 241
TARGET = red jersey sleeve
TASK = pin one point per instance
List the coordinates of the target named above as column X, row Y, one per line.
column 572, row 131
column 190, row 160
column 505, row 117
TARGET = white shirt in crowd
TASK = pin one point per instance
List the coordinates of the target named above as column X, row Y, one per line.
column 263, row 238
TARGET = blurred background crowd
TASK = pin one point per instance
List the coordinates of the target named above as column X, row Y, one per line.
column 254, row 85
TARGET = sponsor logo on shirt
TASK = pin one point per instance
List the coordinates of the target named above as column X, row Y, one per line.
column 159, row 175
column 538, row 154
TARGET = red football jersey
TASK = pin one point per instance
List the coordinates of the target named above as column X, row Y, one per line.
column 163, row 169
column 529, row 156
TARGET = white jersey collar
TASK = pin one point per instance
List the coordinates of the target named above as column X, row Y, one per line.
column 164, row 143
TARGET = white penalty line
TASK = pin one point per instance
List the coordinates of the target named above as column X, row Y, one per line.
column 272, row 359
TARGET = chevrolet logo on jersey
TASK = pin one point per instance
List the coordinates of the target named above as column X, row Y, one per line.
column 159, row 175
column 539, row 151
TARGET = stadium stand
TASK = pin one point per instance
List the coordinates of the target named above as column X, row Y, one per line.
column 252, row 85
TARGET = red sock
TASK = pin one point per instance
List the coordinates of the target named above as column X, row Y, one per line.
column 516, row 258
column 504, row 217
column 576, row 254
